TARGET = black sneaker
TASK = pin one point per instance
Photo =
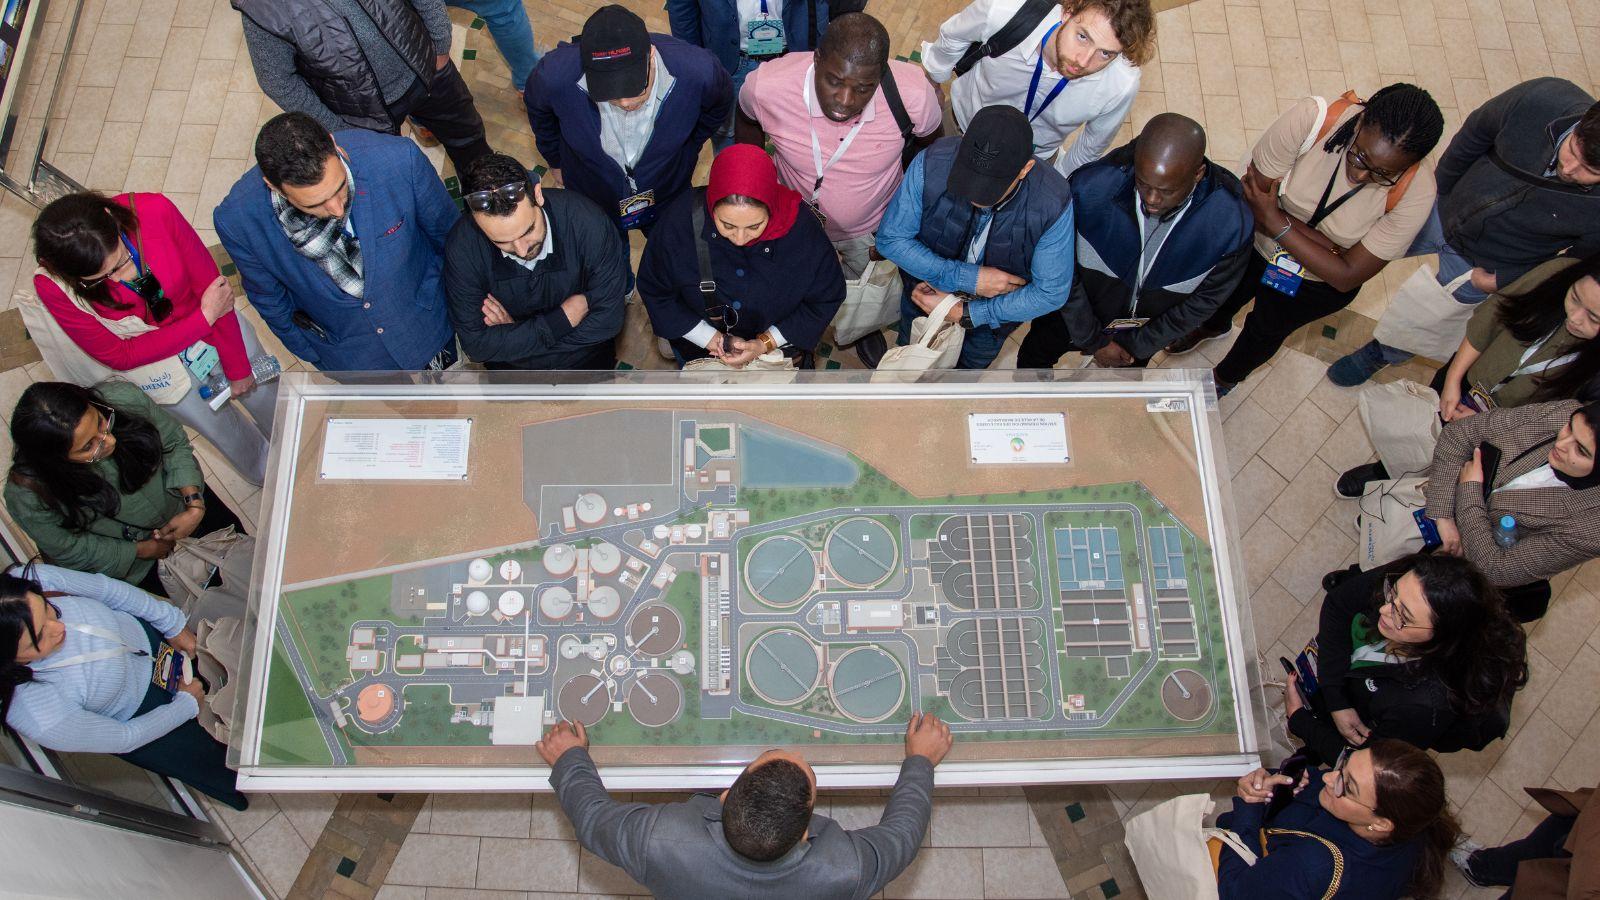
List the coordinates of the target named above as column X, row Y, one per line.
column 1352, row 484
column 871, row 349
column 1194, row 339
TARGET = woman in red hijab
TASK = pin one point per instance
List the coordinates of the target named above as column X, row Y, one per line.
column 777, row 277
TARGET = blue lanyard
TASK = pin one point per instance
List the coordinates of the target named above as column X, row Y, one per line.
column 133, row 253
column 1038, row 70
column 764, row 7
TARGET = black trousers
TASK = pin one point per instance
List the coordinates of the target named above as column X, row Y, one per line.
column 1498, row 865
column 188, row 753
column 448, row 111
column 1275, row 316
column 218, row 515
column 1048, row 340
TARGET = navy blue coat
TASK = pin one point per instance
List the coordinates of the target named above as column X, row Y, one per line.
column 401, row 214
column 1198, row 266
column 714, row 25
column 566, row 124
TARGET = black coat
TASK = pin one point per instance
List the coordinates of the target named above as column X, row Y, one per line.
column 588, row 258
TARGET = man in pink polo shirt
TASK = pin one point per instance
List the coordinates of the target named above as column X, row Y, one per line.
column 834, row 135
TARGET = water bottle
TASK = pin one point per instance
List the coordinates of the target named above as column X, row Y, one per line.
column 265, row 367
column 214, row 384
column 1505, row 532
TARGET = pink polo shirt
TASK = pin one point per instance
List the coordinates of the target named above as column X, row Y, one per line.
column 858, row 185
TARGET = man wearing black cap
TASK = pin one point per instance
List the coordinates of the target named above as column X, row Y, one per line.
column 975, row 216
column 621, row 115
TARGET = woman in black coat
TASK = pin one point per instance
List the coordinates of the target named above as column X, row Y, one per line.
column 778, row 281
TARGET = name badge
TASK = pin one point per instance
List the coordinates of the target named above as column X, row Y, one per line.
column 763, row 36
column 1479, row 398
column 168, row 671
column 1284, row 274
column 635, row 210
column 1117, row 326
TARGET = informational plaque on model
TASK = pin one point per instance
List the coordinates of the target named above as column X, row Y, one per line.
column 1011, row 438
column 396, row 449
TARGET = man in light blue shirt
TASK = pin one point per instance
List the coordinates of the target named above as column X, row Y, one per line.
column 977, row 217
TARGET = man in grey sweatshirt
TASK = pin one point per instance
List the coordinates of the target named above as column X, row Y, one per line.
column 364, row 64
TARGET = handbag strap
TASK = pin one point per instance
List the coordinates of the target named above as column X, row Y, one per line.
column 1338, row 855
column 936, row 319
column 702, row 252
column 1538, row 181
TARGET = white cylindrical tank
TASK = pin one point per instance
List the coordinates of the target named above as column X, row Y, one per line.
column 604, row 559
column 694, row 532
column 479, row 571
column 661, row 532
column 477, row 603
column 590, row 508
column 555, row 603
column 512, row 604
column 604, row 602
column 559, row 560
column 510, row 570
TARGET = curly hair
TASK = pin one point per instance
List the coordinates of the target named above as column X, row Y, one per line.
column 1132, row 21
column 1404, row 114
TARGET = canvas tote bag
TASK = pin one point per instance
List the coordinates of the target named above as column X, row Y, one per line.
column 1168, row 846
column 1424, row 317
column 772, row 367
column 1402, row 421
column 1388, row 522
column 166, row 381
column 871, row 302
column 935, row 344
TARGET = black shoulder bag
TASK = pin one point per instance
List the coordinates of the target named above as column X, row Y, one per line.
column 1010, row 34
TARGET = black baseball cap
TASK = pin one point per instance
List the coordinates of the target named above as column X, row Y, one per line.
column 616, row 54
column 998, row 143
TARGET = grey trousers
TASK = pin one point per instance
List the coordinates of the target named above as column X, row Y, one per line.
column 240, row 438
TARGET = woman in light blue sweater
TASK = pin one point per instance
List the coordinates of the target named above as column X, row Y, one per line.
column 77, row 666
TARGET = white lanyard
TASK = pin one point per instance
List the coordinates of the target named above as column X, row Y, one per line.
column 95, row 655
column 1148, row 260
column 816, row 142
column 1524, row 367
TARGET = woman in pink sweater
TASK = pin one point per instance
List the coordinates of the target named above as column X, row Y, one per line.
column 104, row 259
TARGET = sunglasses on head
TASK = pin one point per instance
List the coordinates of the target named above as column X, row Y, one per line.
column 480, row 201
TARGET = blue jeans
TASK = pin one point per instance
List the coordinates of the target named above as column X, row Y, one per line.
column 512, row 32
column 979, row 347
column 724, row 138
column 1451, row 266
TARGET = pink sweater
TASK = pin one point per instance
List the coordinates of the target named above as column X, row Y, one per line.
column 185, row 268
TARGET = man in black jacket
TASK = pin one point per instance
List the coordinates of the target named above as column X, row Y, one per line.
column 1163, row 236
column 535, row 279
column 1517, row 187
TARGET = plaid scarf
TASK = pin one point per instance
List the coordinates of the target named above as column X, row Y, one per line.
column 324, row 242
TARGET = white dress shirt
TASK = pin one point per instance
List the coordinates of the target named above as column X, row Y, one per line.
column 625, row 133
column 1099, row 102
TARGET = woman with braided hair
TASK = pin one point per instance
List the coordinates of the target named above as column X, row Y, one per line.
column 1337, row 190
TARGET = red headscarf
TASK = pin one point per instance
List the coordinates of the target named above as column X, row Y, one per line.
column 747, row 170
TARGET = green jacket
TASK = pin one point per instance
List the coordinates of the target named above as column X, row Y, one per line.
column 103, row 548
column 1502, row 352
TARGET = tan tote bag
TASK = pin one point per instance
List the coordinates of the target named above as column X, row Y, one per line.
column 935, row 344
column 166, row 382
column 1402, row 421
column 772, row 367
column 1388, row 527
column 1424, row 317
column 1168, row 846
column 871, row 302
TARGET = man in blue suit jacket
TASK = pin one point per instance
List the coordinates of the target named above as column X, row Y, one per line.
column 621, row 115
column 734, row 32
column 340, row 246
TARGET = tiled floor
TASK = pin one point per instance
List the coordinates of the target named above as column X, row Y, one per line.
column 159, row 96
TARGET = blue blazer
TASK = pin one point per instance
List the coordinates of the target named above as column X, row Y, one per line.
column 566, row 124
column 714, row 25
column 401, row 214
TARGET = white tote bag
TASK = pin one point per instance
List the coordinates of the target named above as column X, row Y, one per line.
column 935, row 344
column 1424, row 317
column 871, row 302
column 166, row 381
column 1388, row 522
column 1402, row 421
column 772, row 367
column 1168, row 846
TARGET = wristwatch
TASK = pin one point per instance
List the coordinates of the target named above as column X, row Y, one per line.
column 194, row 499
column 966, row 321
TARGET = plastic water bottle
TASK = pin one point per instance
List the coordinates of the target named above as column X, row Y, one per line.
column 1505, row 531
column 265, row 367
column 214, row 384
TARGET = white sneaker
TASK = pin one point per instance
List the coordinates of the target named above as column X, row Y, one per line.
column 1461, row 856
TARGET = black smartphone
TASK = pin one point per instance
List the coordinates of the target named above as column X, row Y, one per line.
column 1293, row 673
column 1293, row 767
column 1491, row 465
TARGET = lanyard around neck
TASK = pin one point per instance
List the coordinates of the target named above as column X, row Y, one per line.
column 816, row 142
column 79, row 659
column 1524, row 367
column 1038, row 71
column 1324, row 209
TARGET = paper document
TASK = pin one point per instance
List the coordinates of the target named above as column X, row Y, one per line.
column 1018, row 438
column 409, row 449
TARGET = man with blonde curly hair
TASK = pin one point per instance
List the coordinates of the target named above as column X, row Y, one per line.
column 1078, row 66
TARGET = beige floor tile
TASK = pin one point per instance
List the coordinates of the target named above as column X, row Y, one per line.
column 1532, row 756
column 1360, row 66
column 1573, row 699
column 207, row 92
column 1558, row 27
column 1390, row 45
column 236, row 127
column 1021, row 872
column 436, row 860
column 1176, row 35
column 1302, row 503
column 980, row 822
column 1215, row 60
column 150, row 27
column 1316, row 27
column 1297, row 440
column 1347, row 447
column 187, row 172
column 110, row 44
column 1527, row 42
column 1293, row 376
column 308, row 813
column 278, row 853
column 1245, row 431
column 1421, row 25
column 1265, row 546
column 224, row 34
column 1489, row 24
column 1433, row 75
column 179, row 59
column 1323, row 549
column 484, row 815
column 1585, row 12
column 1488, row 814
column 85, row 119
column 146, row 173
column 1258, row 99
column 596, row 876
column 1500, row 68
column 527, row 865
column 1182, row 82
column 1580, row 768
column 548, row 820
column 1287, row 57
column 1208, row 17
column 1272, row 609
column 1254, row 489
column 135, row 79
column 940, row 872
column 159, row 129
column 239, row 823
column 1566, row 626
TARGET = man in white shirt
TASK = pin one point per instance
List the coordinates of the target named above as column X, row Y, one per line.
column 1076, row 68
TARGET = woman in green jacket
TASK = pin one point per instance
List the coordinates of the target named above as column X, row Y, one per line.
column 105, row 481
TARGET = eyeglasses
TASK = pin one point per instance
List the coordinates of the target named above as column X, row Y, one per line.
column 108, row 421
column 722, row 317
column 1339, row 784
column 1391, row 599
column 1362, row 162
column 127, row 258
column 480, row 201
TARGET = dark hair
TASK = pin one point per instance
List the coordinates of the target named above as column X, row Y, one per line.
column 293, row 149
column 1477, row 649
column 1588, row 132
column 41, row 430
column 16, row 619
column 858, row 39
column 1404, row 114
column 740, row 200
column 767, row 810
column 1131, row 20
column 489, row 172
column 73, row 236
column 1540, row 311
column 1411, row 795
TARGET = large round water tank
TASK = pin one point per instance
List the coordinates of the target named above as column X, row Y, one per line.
column 511, row 604
column 479, row 571
column 477, row 603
